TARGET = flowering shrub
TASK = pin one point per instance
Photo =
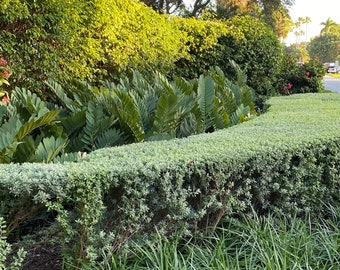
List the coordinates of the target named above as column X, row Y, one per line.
column 306, row 78
column 4, row 74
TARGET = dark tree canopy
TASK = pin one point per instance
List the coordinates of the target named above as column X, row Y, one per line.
column 226, row 7
column 274, row 12
column 178, row 6
column 325, row 47
column 165, row 6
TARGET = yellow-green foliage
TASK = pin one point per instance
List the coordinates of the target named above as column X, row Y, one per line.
column 83, row 39
column 202, row 35
column 126, row 33
column 202, row 45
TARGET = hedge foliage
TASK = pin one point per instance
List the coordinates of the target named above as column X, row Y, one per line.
column 82, row 39
column 255, row 47
column 294, row 79
column 243, row 39
column 288, row 160
column 101, row 39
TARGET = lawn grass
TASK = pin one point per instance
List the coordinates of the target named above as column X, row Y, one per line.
column 334, row 75
column 271, row 242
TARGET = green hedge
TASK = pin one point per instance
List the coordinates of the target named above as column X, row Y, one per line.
column 287, row 159
column 87, row 40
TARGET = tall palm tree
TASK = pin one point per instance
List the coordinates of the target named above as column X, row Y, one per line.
column 307, row 20
column 330, row 27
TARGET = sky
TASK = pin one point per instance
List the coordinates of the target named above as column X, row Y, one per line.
column 318, row 10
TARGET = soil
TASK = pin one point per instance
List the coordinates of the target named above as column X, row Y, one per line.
column 43, row 257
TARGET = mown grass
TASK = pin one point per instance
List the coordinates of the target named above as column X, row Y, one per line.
column 337, row 75
column 271, row 242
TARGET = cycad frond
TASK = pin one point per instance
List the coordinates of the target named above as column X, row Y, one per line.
column 49, row 148
column 25, row 150
column 67, row 157
column 28, row 105
column 74, row 123
column 109, row 137
column 205, row 95
column 46, row 118
column 96, row 123
column 129, row 117
column 61, row 95
column 165, row 114
column 239, row 115
column 219, row 115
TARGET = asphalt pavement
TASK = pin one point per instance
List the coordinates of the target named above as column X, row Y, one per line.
column 331, row 83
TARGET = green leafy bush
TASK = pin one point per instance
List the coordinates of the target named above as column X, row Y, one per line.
column 117, row 194
column 81, row 39
column 242, row 39
column 255, row 47
column 306, row 78
column 325, row 47
column 202, row 46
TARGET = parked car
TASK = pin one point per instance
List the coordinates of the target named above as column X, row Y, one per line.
column 332, row 68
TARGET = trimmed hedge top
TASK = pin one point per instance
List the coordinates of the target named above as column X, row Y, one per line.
column 285, row 160
column 291, row 121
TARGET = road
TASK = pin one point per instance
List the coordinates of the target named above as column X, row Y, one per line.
column 332, row 83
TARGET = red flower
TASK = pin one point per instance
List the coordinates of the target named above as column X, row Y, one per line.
column 307, row 74
column 5, row 99
column 3, row 62
column 6, row 73
column 290, row 85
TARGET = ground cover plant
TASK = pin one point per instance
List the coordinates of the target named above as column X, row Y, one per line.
column 249, row 242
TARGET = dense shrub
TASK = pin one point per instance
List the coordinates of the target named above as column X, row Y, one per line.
column 117, row 194
column 101, row 39
column 306, row 78
column 203, row 46
column 325, row 47
column 243, row 39
column 255, row 47
column 62, row 40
